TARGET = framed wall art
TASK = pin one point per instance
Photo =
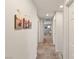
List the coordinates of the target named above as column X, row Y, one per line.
column 22, row 23
column 27, row 23
column 18, row 22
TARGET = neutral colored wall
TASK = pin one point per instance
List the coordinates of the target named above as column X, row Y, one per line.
column 40, row 30
column 54, row 30
column 68, row 38
column 20, row 44
column 66, row 35
column 71, row 31
column 58, row 34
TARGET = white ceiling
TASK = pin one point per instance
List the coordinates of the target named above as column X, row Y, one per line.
column 48, row 6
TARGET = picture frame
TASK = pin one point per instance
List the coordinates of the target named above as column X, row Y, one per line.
column 27, row 24
column 22, row 23
column 18, row 23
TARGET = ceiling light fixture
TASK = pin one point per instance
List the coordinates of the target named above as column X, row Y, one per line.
column 61, row 6
column 47, row 14
column 49, row 26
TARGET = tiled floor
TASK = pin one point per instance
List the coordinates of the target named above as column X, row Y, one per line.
column 46, row 51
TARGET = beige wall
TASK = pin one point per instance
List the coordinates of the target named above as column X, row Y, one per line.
column 68, row 30
column 41, row 36
column 20, row 44
column 66, row 35
column 54, row 30
column 71, row 31
column 58, row 28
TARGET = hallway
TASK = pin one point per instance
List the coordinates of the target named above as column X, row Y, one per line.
column 39, row 29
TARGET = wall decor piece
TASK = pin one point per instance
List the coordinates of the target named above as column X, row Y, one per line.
column 21, row 21
column 18, row 22
column 27, row 23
